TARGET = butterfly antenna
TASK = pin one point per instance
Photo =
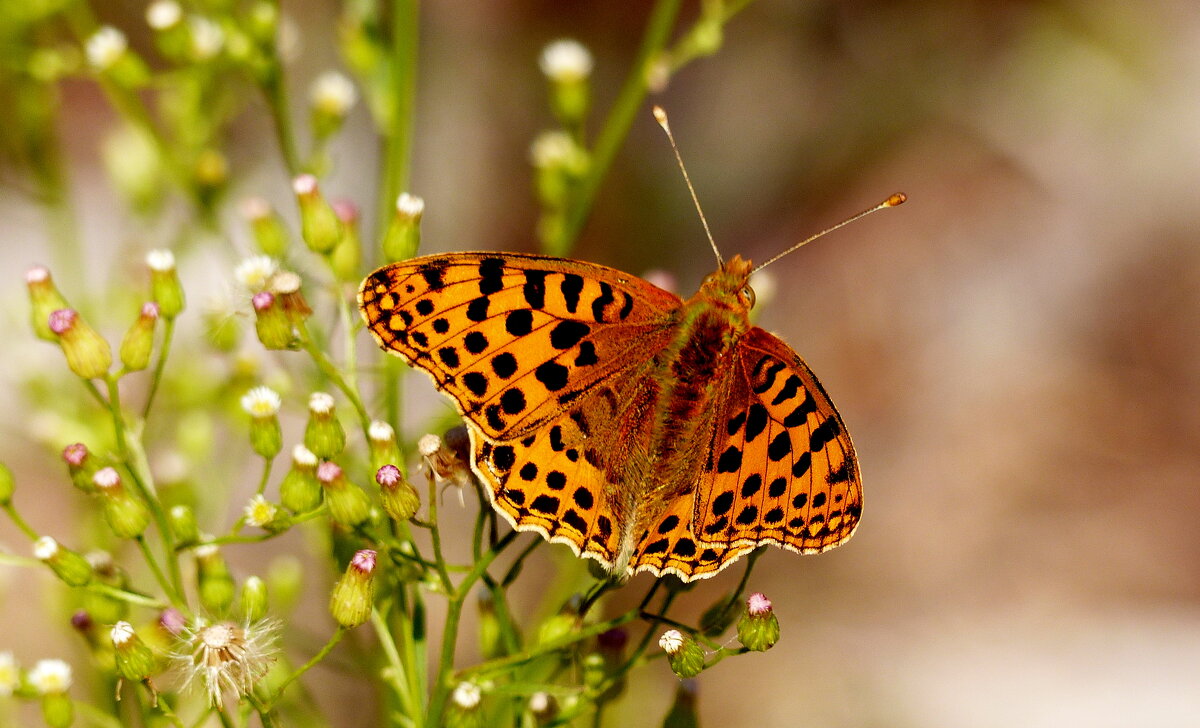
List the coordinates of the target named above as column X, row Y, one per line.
column 661, row 117
column 896, row 199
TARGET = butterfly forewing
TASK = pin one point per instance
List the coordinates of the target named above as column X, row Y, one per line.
column 514, row 339
column 784, row 469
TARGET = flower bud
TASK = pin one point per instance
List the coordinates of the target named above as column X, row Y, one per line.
column 286, row 287
column 134, row 659
column 381, row 439
column 348, row 504
column 214, row 579
column 300, row 491
column 348, row 254
column 400, row 498
column 266, row 226
column 332, row 96
column 758, row 629
column 271, row 322
column 266, row 437
column 684, row 654
column 44, row 299
column 183, row 525
column 323, row 434
column 403, row 236
column 139, row 340
column 490, row 643
column 354, row 594
column 88, row 354
column 8, row 484
column 464, row 706
column 567, row 64
column 165, row 288
column 544, row 707
column 81, row 466
column 319, row 225
column 126, row 515
column 254, row 599
column 70, row 566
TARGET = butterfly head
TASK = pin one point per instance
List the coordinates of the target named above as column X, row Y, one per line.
column 729, row 284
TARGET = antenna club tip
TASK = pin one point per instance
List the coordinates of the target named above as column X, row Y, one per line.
column 896, row 199
column 660, row 116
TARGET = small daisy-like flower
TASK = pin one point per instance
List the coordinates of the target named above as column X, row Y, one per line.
column 227, row 657
column 207, row 37
column 255, row 272
column 671, row 641
column 160, row 260
column 332, row 93
column 320, row 403
column 260, row 512
column 105, row 47
column 163, row 14
column 261, row 402
column 566, row 61
column 50, row 676
column 10, row 674
column 410, row 205
column 467, row 695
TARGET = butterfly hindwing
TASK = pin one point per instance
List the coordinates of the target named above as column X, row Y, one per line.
column 784, row 470
column 512, row 338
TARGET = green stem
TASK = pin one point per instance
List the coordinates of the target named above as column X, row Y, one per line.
column 329, row 370
column 126, row 596
column 275, row 91
column 398, row 116
column 399, row 679
column 159, row 576
column 436, row 536
column 586, row 632
column 333, row 641
column 156, row 379
column 620, row 118
column 266, row 475
column 20, row 522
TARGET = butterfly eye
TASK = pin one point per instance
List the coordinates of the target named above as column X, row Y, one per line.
column 748, row 292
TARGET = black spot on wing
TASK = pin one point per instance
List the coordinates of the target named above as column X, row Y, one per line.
column 566, row 334
column 534, row 289
column 519, row 322
column 571, row 287
column 491, row 275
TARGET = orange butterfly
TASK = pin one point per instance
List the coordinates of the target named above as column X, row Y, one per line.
column 646, row 432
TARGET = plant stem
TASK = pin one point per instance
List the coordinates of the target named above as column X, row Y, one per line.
column 399, row 681
column 275, row 91
column 156, row 379
column 620, row 118
column 333, row 641
column 329, row 370
column 397, row 137
column 153, row 564
column 20, row 522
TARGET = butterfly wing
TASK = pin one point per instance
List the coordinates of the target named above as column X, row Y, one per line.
column 783, row 471
column 512, row 338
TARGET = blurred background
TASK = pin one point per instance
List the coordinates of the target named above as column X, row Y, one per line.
column 1016, row 350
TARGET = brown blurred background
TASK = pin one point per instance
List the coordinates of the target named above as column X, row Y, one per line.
column 1016, row 350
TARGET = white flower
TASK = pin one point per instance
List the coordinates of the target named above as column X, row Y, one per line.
column 106, row 478
column 566, row 60
column 555, row 149
column 261, row 402
column 105, row 47
column 163, row 14
column 467, row 695
column 410, row 205
column 671, row 641
column 50, row 676
column 380, row 431
column 121, row 633
column 255, row 272
column 161, row 260
column 45, row 548
column 260, row 511
column 10, row 674
column 207, row 37
column 332, row 93
column 227, row 657
column 320, row 403
column 303, row 457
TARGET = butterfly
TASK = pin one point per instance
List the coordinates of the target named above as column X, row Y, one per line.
column 644, row 431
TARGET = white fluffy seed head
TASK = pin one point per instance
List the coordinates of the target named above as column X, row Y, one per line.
column 566, row 60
